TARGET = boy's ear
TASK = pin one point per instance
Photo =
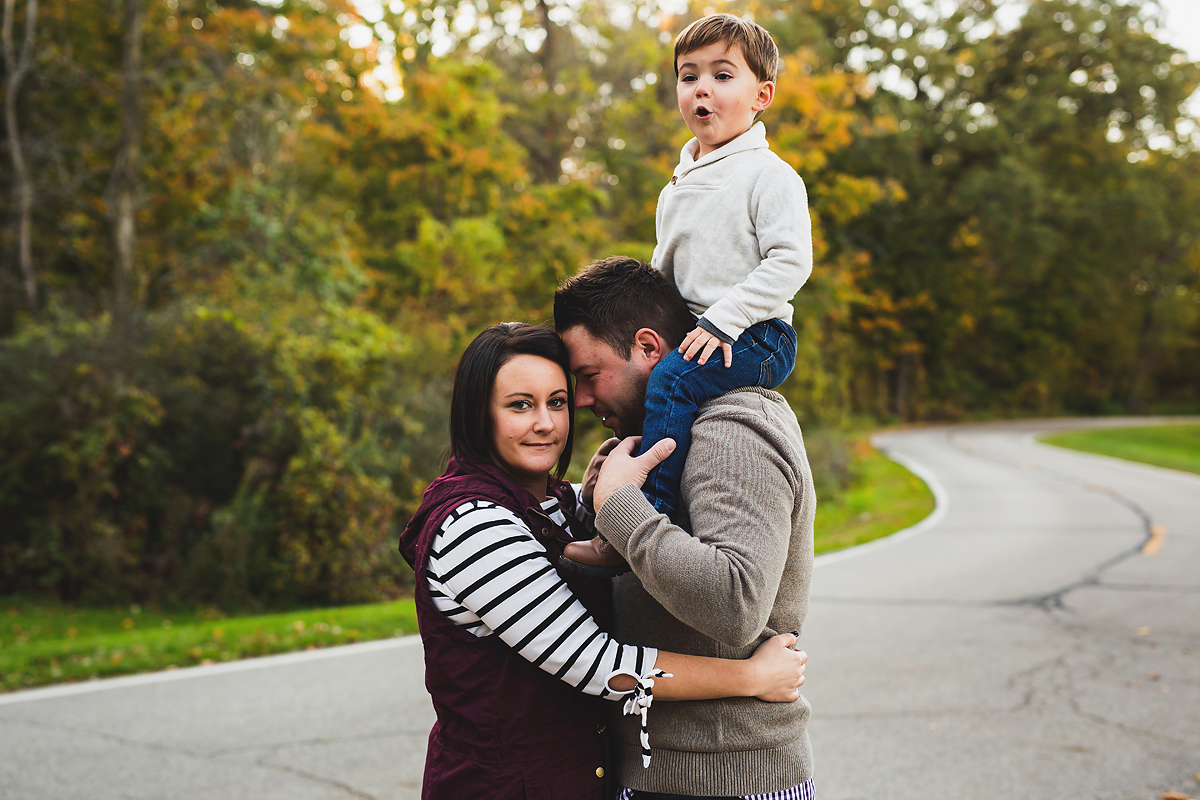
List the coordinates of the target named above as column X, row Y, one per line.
column 765, row 96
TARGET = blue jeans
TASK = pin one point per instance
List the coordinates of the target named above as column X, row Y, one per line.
column 763, row 356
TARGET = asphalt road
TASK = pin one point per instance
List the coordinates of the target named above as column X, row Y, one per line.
column 1037, row 637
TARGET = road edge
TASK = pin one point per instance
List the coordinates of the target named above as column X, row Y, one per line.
column 941, row 505
column 205, row 671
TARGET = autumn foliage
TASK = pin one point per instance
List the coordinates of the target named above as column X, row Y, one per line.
column 332, row 199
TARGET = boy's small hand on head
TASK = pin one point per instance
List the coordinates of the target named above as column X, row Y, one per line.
column 705, row 343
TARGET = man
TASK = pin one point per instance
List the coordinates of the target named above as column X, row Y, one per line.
column 737, row 569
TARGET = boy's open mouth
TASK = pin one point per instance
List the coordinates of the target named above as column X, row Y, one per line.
column 703, row 113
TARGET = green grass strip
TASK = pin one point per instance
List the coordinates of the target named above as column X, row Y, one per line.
column 42, row 643
column 45, row 643
column 1171, row 446
column 883, row 498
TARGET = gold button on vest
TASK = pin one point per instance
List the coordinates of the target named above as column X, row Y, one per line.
column 599, row 772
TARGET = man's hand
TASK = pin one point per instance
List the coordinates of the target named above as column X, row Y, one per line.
column 702, row 342
column 620, row 467
column 593, row 471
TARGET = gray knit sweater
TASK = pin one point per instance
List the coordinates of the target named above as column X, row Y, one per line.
column 740, row 576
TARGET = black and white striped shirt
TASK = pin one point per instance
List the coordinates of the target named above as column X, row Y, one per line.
column 488, row 573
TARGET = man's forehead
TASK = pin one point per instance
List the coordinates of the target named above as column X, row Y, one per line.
column 585, row 349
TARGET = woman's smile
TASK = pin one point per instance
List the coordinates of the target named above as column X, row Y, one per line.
column 532, row 418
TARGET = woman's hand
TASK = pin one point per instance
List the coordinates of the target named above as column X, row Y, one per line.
column 778, row 669
column 621, row 467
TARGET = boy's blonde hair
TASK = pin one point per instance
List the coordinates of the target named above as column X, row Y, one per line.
column 757, row 46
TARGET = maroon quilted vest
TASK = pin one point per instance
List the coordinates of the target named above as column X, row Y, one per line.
column 505, row 728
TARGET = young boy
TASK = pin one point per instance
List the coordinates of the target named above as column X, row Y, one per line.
column 733, row 232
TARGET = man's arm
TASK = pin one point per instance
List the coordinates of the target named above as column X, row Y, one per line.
column 722, row 578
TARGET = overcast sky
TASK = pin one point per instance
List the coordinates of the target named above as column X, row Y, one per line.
column 1183, row 25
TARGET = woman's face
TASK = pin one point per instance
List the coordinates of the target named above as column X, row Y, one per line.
column 531, row 419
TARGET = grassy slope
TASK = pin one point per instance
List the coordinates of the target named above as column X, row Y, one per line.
column 42, row 643
column 884, row 499
column 1173, row 446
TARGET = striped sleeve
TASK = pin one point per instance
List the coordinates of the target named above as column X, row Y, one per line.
column 488, row 574
column 582, row 512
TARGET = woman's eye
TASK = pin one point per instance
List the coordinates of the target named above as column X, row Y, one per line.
column 558, row 402
column 520, row 405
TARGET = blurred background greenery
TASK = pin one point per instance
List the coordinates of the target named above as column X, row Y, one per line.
column 244, row 243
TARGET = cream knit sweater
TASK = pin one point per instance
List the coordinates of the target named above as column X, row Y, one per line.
column 734, row 233
column 740, row 576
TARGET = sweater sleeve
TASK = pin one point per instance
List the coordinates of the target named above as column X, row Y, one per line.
column 779, row 205
column 489, row 574
column 721, row 579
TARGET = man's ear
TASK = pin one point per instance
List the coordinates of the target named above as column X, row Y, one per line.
column 648, row 348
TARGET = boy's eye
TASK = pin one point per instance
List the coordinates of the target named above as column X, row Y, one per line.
column 724, row 76
column 687, row 78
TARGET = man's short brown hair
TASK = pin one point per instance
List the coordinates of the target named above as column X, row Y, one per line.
column 757, row 46
column 615, row 297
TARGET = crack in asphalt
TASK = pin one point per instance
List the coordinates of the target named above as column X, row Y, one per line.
column 1054, row 600
column 317, row 741
column 225, row 751
column 1165, row 588
column 345, row 787
column 110, row 737
column 1065, row 691
column 216, row 754
column 936, row 602
column 910, row 601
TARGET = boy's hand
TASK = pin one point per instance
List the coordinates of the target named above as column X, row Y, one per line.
column 702, row 342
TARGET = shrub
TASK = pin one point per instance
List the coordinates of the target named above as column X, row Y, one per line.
column 210, row 457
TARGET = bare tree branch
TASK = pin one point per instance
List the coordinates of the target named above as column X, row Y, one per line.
column 15, row 69
column 128, row 163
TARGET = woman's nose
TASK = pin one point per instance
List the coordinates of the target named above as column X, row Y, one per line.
column 542, row 420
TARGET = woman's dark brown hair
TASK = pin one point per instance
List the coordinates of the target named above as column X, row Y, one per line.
column 471, row 428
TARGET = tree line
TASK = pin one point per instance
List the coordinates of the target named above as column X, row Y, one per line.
column 244, row 242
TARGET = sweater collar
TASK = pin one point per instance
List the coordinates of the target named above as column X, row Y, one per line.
column 753, row 139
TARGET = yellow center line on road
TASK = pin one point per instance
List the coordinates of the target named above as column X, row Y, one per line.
column 1157, row 534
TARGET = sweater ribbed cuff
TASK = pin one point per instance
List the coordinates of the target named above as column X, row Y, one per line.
column 622, row 513
column 729, row 774
column 711, row 327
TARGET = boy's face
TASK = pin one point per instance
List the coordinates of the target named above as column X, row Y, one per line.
column 719, row 94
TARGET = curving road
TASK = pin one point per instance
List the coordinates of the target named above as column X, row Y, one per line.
column 1037, row 637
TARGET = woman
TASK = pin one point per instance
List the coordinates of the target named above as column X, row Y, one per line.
column 515, row 651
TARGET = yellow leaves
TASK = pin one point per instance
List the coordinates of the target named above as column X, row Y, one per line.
column 813, row 114
column 845, row 197
column 967, row 237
